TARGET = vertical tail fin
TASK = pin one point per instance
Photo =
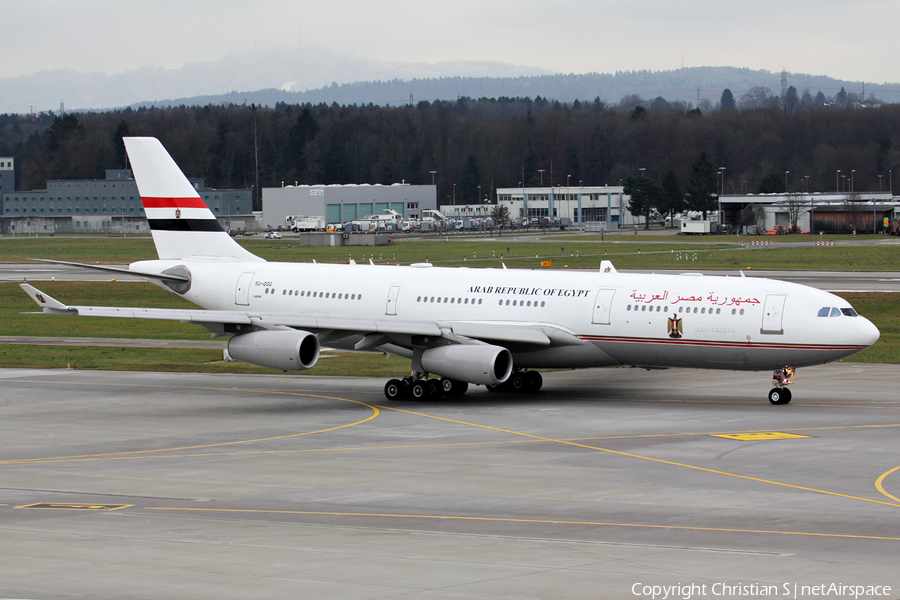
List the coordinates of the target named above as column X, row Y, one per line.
column 182, row 225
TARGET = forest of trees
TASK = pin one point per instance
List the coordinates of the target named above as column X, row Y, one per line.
column 488, row 142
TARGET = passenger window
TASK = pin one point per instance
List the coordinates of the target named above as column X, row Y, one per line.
column 823, row 312
column 835, row 312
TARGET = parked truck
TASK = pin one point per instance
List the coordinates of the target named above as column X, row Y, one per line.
column 696, row 227
column 298, row 223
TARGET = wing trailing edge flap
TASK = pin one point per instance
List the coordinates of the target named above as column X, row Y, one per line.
column 536, row 335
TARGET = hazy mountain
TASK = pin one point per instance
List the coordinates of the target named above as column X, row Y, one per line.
column 687, row 85
column 295, row 70
column 317, row 75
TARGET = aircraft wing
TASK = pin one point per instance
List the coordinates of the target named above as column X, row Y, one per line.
column 374, row 332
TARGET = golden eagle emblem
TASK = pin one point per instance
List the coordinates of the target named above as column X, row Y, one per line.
column 675, row 329
column 177, row 213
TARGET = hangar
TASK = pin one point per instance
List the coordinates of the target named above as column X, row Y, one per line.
column 825, row 212
column 344, row 203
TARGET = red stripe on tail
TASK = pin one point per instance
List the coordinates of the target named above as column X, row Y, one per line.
column 173, row 203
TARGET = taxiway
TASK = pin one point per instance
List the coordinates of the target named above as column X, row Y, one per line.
column 137, row 485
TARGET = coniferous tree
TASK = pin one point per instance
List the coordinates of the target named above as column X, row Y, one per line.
column 727, row 100
column 772, row 183
column 645, row 195
column 701, row 188
column 673, row 197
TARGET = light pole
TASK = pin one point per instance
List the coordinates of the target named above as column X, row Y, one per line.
column 479, row 195
column 785, row 180
column 806, row 182
column 843, row 183
column 642, row 169
column 852, row 171
column 836, row 180
column 454, row 194
column 541, row 171
column 880, row 179
column 433, row 173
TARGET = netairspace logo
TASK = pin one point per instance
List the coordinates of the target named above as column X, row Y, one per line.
column 757, row 590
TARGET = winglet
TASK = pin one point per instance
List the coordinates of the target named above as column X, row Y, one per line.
column 606, row 266
column 47, row 302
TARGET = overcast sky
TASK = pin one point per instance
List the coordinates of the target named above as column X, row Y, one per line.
column 846, row 40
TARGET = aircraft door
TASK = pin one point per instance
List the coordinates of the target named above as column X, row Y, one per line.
column 242, row 292
column 392, row 300
column 773, row 314
column 602, row 306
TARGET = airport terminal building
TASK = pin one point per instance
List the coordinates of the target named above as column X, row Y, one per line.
column 110, row 205
column 606, row 206
column 345, row 203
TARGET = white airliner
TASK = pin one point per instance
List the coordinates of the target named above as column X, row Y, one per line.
column 468, row 326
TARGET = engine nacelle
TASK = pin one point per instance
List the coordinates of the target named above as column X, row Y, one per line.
column 292, row 350
column 476, row 363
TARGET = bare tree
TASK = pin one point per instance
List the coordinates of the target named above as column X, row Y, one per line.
column 853, row 206
column 794, row 203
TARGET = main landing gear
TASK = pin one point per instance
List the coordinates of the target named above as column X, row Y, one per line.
column 520, row 382
column 415, row 387
column 781, row 378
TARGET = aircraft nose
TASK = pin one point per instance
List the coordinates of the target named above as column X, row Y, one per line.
column 866, row 332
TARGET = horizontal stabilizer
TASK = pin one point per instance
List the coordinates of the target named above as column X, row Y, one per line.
column 173, row 277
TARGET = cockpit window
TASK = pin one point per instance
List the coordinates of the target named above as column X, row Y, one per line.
column 823, row 312
column 849, row 312
column 835, row 312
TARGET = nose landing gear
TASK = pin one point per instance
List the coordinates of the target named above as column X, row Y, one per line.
column 781, row 378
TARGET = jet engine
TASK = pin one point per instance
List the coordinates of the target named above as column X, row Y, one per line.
column 475, row 363
column 288, row 350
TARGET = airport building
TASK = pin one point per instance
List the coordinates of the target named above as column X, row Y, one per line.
column 110, row 205
column 604, row 206
column 345, row 203
column 819, row 212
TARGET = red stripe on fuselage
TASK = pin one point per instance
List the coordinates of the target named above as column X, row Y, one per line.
column 749, row 345
column 173, row 203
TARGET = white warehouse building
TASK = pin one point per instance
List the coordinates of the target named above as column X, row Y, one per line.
column 605, row 204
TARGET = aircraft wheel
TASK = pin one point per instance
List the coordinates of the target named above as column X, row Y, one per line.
column 779, row 396
column 454, row 387
column 420, row 390
column 535, row 381
column 518, row 382
column 393, row 390
column 437, row 390
column 493, row 388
